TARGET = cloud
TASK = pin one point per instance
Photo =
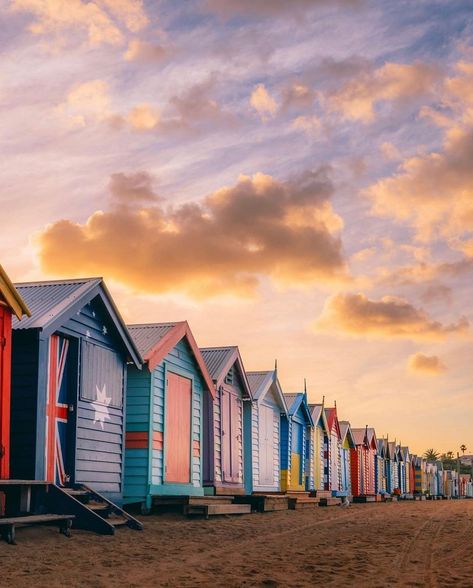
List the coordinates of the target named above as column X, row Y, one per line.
column 308, row 124
column 425, row 364
column 268, row 7
column 103, row 21
column 86, row 103
column 135, row 188
column 224, row 244
column 143, row 117
column 433, row 192
column 389, row 317
column 358, row 98
column 390, row 151
column 263, row 102
column 145, row 52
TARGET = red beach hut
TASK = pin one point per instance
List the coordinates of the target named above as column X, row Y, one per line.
column 11, row 303
column 363, row 458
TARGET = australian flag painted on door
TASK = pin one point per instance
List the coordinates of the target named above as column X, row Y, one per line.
column 57, row 411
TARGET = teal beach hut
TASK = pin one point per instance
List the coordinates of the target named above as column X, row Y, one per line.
column 164, row 426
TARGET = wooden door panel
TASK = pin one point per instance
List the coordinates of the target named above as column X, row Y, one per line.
column 236, row 442
column 266, row 445
column 178, row 429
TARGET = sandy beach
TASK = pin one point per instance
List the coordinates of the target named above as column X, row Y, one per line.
column 405, row 544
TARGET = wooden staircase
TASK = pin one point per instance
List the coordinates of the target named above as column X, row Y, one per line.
column 91, row 510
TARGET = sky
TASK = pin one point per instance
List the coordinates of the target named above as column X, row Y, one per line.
column 295, row 178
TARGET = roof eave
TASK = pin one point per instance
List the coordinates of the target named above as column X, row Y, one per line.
column 12, row 296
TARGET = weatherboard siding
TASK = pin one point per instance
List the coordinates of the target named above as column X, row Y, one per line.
column 257, row 483
column 99, row 451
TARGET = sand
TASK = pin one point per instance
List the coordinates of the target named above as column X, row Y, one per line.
column 398, row 544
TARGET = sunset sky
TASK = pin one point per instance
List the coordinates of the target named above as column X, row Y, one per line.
column 295, row 178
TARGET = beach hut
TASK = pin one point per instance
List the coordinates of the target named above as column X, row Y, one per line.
column 164, row 420
column 334, row 437
column 262, row 432
column 406, row 458
column 320, row 434
column 401, row 470
column 412, row 475
column 394, row 467
column 363, row 457
column 420, row 477
column 68, row 386
column 347, row 443
column 223, row 423
column 296, row 445
column 381, row 467
column 11, row 304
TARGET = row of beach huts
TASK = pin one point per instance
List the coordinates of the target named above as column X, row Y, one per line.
column 96, row 416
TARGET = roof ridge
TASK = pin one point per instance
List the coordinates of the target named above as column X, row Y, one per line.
column 150, row 325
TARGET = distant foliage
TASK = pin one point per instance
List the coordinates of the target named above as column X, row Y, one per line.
column 431, row 455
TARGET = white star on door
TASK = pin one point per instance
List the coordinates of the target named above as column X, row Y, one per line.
column 101, row 405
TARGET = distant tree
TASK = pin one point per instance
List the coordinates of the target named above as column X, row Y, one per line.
column 431, row 455
column 449, row 455
column 463, row 448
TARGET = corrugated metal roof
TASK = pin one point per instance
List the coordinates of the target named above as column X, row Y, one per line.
column 258, row 380
column 291, row 400
column 47, row 300
column 147, row 336
column 216, row 359
column 344, row 426
column 315, row 411
column 359, row 436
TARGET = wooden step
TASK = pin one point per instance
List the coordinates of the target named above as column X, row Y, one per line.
column 330, row 501
column 186, row 500
column 208, row 510
column 117, row 521
column 322, row 493
column 302, row 503
column 76, row 493
column 264, row 502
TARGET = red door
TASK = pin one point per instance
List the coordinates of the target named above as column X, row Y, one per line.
column 178, row 429
column 5, row 375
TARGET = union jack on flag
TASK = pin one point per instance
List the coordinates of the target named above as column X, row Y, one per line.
column 56, row 410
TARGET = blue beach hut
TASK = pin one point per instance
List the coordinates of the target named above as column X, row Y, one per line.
column 165, row 407
column 297, row 450
column 68, row 386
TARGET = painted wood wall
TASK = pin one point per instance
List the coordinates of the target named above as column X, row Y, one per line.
column 98, row 451
column 287, row 449
column 145, row 427
column 318, row 443
column 254, row 477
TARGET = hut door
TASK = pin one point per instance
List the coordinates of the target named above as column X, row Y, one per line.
column 61, row 409
column 178, row 429
column 297, row 453
column 266, row 450
column 231, row 436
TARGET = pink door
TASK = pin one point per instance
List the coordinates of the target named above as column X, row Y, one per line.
column 231, row 436
column 178, row 429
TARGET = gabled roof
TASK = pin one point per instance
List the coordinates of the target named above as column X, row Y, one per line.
column 332, row 419
column 345, row 431
column 393, row 454
column 12, row 296
column 318, row 415
column 365, row 436
column 294, row 401
column 156, row 340
column 219, row 360
column 260, row 384
column 54, row 302
column 382, row 447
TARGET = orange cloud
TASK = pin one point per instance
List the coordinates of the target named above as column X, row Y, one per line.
column 433, row 192
column 221, row 245
column 425, row 364
column 355, row 314
column 263, row 102
column 86, row 103
column 103, row 20
column 358, row 98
